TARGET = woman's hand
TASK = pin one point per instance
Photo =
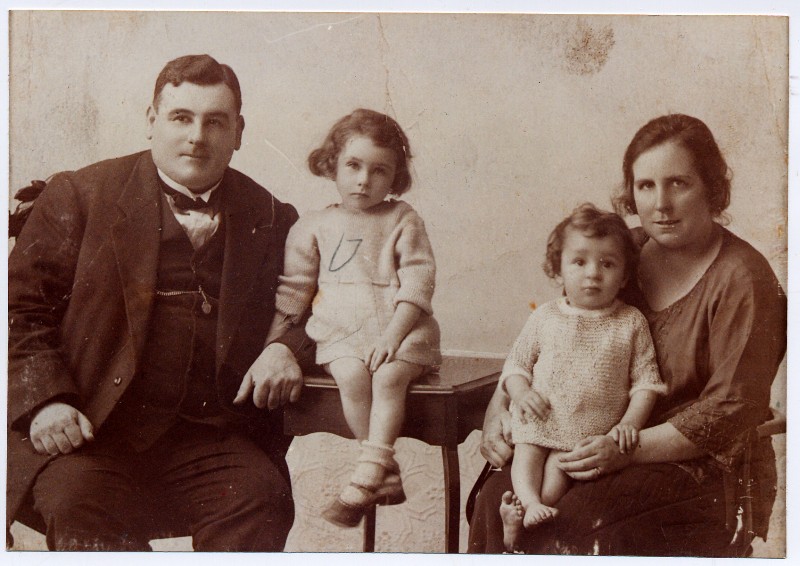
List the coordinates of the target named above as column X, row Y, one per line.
column 496, row 444
column 593, row 457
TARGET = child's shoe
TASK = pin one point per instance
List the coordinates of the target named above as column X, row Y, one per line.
column 346, row 514
column 375, row 481
column 391, row 491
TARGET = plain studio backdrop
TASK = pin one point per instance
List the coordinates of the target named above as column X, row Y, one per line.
column 513, row 120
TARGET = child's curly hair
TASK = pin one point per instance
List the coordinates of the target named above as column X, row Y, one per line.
column 384, row 132
column 592, row 223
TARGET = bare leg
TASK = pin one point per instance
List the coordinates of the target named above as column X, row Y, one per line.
column 555, row 482
column 355, row 389
column 389, row 386
column 369, row 484
column 527, row 475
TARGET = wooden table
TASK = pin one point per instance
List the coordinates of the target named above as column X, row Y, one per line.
column 443, row 408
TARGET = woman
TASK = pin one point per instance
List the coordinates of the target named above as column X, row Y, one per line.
column 718, row 319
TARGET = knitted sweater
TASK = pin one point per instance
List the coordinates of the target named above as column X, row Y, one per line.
column 587, row 363
column 354, row 267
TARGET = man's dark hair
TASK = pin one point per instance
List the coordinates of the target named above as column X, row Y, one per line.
column 201, row 70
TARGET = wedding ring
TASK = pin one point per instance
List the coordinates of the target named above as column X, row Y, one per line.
column 597, row 472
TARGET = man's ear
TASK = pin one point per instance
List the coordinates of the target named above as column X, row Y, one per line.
column 151, row 117
column 239, row 130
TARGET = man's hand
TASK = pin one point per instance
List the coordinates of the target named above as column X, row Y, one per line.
column 274, row 379
column 60, row 428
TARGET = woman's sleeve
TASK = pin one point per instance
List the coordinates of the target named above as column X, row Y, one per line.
column 644, row 367
column 416, row 268
column 297, row 285
column 747, row 341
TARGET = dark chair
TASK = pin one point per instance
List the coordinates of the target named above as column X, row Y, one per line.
column 743, row 537
column 26, row 197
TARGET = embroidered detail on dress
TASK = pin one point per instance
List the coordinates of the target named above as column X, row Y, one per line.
column 336, row 252
column 723, row 434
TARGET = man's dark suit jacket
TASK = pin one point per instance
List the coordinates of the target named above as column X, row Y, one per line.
column 81, row 285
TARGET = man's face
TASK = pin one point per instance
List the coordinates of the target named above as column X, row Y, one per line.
column 194, row 131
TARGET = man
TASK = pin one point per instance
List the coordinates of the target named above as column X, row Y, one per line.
column 140, row 294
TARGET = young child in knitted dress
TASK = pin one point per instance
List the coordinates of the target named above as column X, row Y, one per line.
column 366, row 267
column 589, row 354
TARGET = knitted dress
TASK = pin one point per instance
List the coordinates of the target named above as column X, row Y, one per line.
column 587, row 363
column 354, row 267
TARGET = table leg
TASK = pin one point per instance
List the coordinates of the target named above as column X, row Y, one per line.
column 452, row 502
column 369, row 530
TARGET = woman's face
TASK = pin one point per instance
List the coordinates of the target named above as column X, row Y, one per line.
column 671, row 197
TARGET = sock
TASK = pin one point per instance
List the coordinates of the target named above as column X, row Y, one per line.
column 371, row 467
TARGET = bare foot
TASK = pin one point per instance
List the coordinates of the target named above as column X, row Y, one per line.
column 537, row 513
column 511, row 512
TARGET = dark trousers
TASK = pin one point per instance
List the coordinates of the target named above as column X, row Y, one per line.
column 648, row 510
column 217, row 484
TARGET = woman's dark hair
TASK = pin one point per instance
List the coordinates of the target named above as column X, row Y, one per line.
column 384, row 132
column 592, row 223
column 698, row 140
column 201, row 70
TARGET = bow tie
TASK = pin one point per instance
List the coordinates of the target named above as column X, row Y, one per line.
column 182, row 202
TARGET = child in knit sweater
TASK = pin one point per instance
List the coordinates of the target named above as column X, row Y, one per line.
column 589, row 355
column 366, row 267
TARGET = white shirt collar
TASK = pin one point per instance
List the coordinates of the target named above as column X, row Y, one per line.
column 183, row 190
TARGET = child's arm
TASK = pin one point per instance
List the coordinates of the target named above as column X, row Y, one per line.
column 516, row 385
column 626, row 431
column 646, row 386
column 383, row 351
column 275, row 378
column 297, row 285
column 416, row 271
column 298, row 282
column 517, row 376
column 530, row 402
